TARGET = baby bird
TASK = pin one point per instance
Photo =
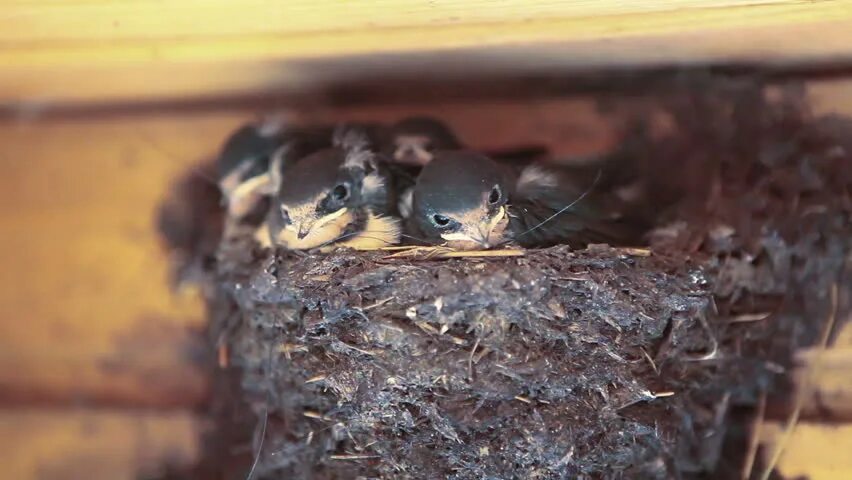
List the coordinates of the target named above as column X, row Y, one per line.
column 414, row 140
column 468, row 201
column 244, row 161
column 243, row 165
column 338, row 196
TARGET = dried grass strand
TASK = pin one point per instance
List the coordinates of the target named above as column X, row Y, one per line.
column 805, row 390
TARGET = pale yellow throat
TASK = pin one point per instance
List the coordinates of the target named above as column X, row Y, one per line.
column 478, row 231
column 320, row 231
column 378, row 232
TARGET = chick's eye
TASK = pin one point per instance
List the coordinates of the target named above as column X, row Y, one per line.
column 495, row 195
column 340, row 192
column 440, row 220
column 285, row 215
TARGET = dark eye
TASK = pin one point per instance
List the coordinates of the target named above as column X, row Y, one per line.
column 340, row 193
column 440, row 220
column 495, row 195
column 285, row 215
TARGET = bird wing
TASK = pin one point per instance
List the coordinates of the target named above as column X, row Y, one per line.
column 552, row 206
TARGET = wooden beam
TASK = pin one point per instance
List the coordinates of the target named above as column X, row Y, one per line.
column 82, row 21
column 99, row 51
column 84, row 291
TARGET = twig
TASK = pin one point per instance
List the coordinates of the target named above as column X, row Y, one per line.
column 636, row 252
column 353, row 457
column 445, row 252
column 414, row 251
column 714, row 350
column 222, row 353
column 470, row 359
column 260, row 443
column 484, row 253
column 378, row 304
column 650, row 360
column 804, row 391
column 750, row 317
column 754, row 441
column 370, row 353
column 397, row 248
column 315, row 379
column 316, row 415
column 265, row 418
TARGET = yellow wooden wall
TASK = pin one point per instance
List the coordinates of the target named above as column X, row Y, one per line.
column 110, row 50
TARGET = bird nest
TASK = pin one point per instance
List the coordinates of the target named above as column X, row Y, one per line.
column 548, row 363
column 471, row 366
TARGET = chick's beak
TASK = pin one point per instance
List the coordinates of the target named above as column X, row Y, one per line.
column 479, row 231
column 489, row 232
column 304, row 226
column 483, row 241
column 468, row 237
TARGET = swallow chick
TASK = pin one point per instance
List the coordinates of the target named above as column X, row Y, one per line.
column 243, row 165
column 244, row 162
column 467, row 201
column 414, row 140
column 245, row 171
column 339, row 196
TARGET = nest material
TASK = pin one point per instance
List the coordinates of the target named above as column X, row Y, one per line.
column 472, row 369
column 557, row 364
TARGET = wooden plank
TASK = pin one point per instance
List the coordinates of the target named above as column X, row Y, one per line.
column 151, row 50
column 73, row 21
column 84, row 293
column 814, row 451
column 95, row 445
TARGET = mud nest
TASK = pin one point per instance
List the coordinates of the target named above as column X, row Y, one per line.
column 597, row 363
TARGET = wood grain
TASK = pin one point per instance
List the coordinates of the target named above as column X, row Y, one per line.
column 146, row 50
column 108, row 19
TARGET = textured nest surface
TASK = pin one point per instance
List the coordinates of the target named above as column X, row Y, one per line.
column 557, row 364
column 536, row 366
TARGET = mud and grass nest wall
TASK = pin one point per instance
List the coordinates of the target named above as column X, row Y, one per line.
column 485, row 368
column 599, row 363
